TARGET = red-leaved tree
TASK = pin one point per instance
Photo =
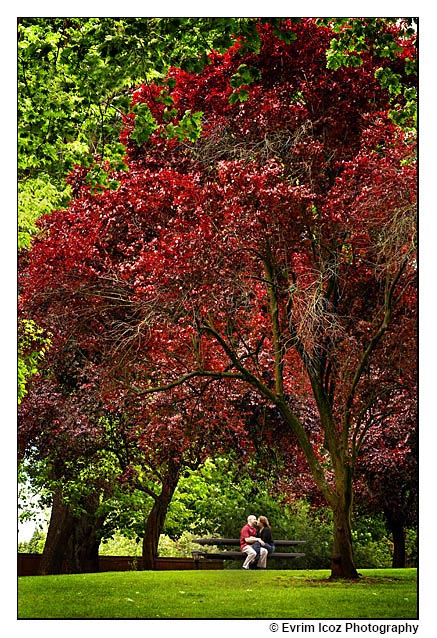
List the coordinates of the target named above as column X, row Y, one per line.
column 69, row 417
column 387, row 471
column 270, row 249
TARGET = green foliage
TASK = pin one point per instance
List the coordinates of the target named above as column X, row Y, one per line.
column 217, row 498
column 201, row 498
column 32, row 346
column 372, row 548
column 120, row 545
column 36, row 196
column 145, row 124
column 411, row 547
column 243, row 76
column 33, row 503
column 123, row 510
column 392, row 82
column 356, row 36
column 242, row 95
column 389, row 80
column 126, row 513
column 373, row 554
column 70, row 96
column 189, row 127
column 338, row 56
column 35, row 545
column 75, row 76
column 179, row 548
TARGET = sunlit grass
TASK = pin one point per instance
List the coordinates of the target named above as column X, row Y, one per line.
column 385, row 593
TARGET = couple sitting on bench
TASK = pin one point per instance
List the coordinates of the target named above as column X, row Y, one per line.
column 256, row 543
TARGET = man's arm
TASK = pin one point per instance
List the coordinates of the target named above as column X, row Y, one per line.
column 246, row 536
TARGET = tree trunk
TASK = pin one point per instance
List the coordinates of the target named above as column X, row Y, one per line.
column 343, row 565
column 72, row 543
column 59, row 532
column 340, row 499
column 82, row 553
column 156, row 518
column 83, row 546
column 396, row 528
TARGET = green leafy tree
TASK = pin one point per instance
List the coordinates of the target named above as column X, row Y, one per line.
column 31, row 348
column 75, row 77
column 35, row 545
column 355, row 38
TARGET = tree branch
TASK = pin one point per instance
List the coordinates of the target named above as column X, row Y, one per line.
column 388, row 307
column 276, row 329
column 184, row 379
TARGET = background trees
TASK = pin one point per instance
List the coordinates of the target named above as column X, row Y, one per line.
column 267, row 244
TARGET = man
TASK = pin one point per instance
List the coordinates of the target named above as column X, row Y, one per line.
column 247, row 538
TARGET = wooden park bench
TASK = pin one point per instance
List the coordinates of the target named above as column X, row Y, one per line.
column 198, row 554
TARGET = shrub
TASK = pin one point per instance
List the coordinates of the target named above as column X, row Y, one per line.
column 119, row 545
column 411, row 548
column 183, row 546
column 373, row 554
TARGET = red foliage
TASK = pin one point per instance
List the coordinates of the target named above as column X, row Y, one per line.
column 387, row 470
column 275, row 252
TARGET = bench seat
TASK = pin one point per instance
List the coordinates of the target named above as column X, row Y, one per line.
column 229, row 555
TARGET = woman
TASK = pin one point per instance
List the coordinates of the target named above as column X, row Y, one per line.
column 265, row 534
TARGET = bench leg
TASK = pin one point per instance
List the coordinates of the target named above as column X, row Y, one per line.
column 196, row 559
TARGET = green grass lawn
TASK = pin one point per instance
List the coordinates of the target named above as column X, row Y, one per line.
column 276, row 594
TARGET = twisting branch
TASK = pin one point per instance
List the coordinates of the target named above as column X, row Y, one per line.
column 186, row 377
column 364, row 422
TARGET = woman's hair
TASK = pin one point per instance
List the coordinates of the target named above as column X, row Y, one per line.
column 264, row 521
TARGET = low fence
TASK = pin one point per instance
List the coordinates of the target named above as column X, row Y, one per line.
column 28, row 564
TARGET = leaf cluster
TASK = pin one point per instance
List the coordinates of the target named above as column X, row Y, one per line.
column 386, row 39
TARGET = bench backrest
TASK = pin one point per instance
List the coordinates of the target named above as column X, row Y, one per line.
column 236, row 541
